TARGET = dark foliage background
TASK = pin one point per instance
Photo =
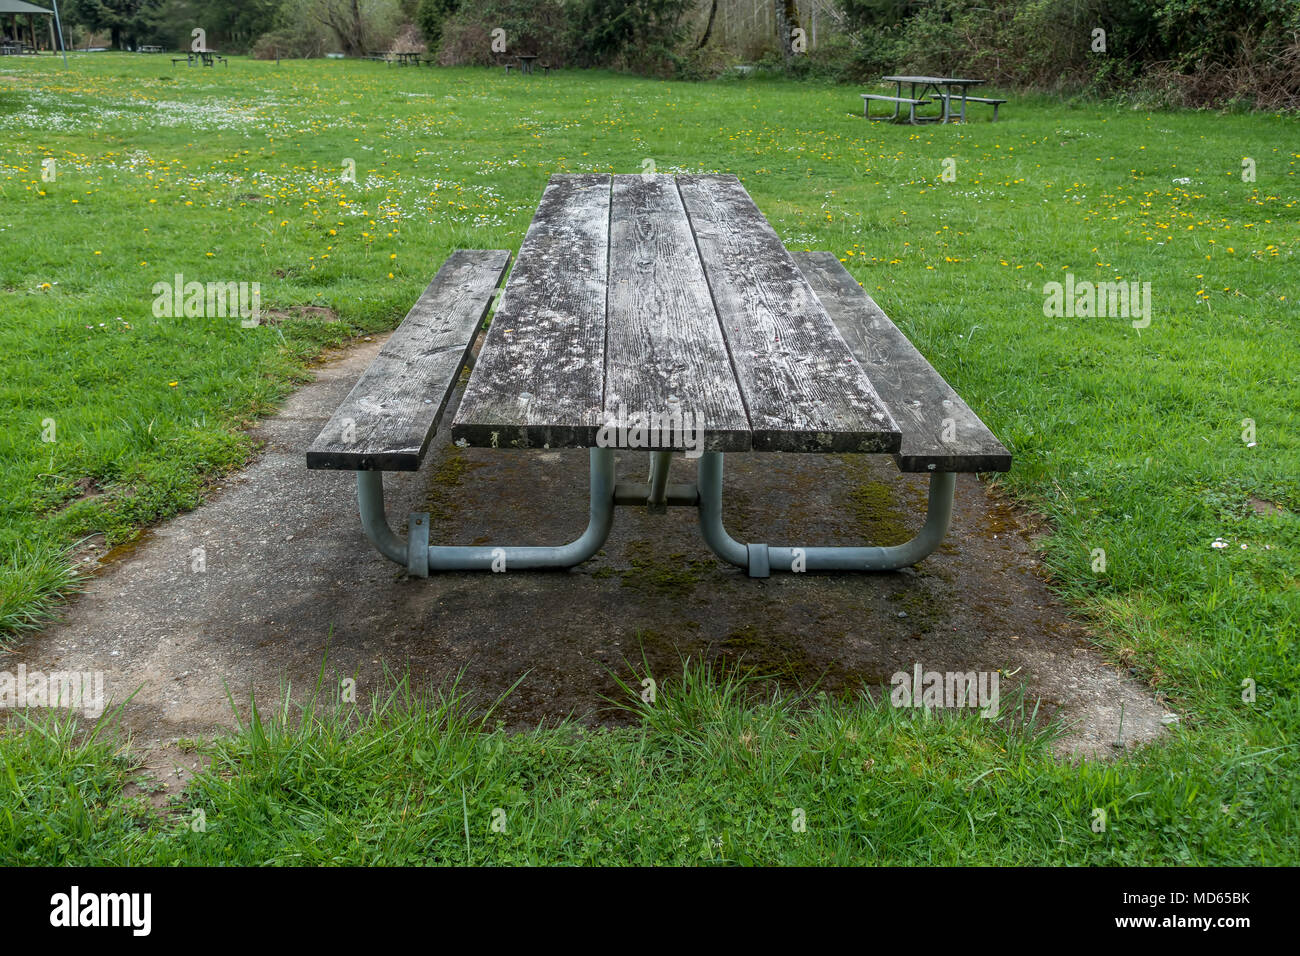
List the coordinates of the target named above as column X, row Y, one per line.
column 1162, row 52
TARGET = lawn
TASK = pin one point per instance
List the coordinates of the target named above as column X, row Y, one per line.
column 1171, row 447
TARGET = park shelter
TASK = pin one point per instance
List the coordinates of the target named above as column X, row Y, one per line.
column 18, row 23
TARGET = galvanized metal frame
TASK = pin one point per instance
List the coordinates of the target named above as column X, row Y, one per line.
column 420, row 557
column 759, row 560
column 656, row 495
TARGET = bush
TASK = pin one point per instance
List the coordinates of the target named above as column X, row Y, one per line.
column 697, row 64
column 287, row 44
column 644, row 36
column 541, row 28
column 409, row 39
column 431, row 15
column 1165, row 52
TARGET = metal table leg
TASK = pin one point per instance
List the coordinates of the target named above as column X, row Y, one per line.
column 420, row 557
column 760, row 559
column 656, row 501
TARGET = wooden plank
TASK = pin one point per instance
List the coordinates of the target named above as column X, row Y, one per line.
column 933, row 80
column 540, row 376
column 386, row 421
column 940, row 432
column 968, row 99
column 801, row 386
column 893, row 99
column 665, row 354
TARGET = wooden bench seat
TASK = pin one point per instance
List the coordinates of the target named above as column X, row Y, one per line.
column 912, row 104
column 940, row 97
column 388, row 419
column 891, row 98
column 940, row 432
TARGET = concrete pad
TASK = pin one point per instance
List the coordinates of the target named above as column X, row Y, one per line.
column 286, row 571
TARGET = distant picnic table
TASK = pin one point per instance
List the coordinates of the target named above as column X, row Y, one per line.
column 205, row 57
column 643, row 299
column 388, row 59
column 943, row 89
column 527, row 63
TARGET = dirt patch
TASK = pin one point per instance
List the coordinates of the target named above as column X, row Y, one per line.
column 289, row 577
column 163, row 772
column 83, row 489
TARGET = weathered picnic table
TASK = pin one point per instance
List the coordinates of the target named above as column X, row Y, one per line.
column 941, row 88
column 659, row 314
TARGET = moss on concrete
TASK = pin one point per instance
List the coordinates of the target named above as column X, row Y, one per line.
column 880, row 518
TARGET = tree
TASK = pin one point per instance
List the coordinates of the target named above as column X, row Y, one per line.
column 787, row 21
column 430, row 15
column 170, row 22
column 643, row 32
column 357, row 25
column 708, row 29
column 125, row 20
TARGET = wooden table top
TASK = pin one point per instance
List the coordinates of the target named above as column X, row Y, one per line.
column 647, row 295
column 933, row 80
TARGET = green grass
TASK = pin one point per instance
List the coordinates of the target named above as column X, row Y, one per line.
column 1128, row 440
column 712, row 774
column 61, row 794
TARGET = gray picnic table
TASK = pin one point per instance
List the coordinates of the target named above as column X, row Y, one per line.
column 942, row 88
column 663, row 315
